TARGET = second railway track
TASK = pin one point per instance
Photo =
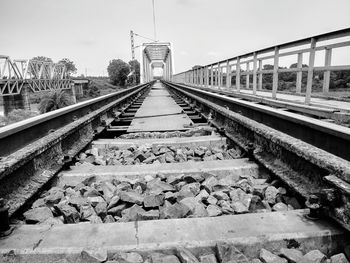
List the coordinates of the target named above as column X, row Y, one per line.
column 173, row 177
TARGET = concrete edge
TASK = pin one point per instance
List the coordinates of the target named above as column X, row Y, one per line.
column 248, row 232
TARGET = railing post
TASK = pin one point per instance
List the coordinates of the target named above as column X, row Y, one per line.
column 195, row 77
column 310, row 72
column 198, row 77
column 247, row 76
column 299, row 73
column 228, row 74
column 260, row 75
column 206, row 76
column 327, row 73
column 275, row 73
column 212, row 76
column 201, row 74
column 238, row 74
column 255, row 64
column 219, row 76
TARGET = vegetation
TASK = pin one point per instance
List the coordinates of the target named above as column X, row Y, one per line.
column 339, row 80
column 120, row 73
column 54, row 100
column 70, row 66
column 42, row 58
column 15, row 116
column 92, row 90
column 135, row 70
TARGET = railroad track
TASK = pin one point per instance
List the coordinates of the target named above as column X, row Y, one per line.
column 167, row 173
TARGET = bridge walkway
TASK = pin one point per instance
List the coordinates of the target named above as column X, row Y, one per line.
column 159, row 112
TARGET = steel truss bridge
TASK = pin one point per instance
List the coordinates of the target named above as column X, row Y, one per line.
column 32, row 74
column 156, row 55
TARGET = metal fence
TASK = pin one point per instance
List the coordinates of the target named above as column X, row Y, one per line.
column 222, row 73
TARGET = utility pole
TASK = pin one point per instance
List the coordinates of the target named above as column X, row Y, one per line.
column 132, row 39
column 132, row 45
column 154, row 21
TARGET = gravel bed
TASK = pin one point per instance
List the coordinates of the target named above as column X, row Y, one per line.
column 158, row 197
column 223, row 253
column 148, row 154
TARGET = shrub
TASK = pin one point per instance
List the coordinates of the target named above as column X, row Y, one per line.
column 92, row 90
column 16, row 116
column 54, row 100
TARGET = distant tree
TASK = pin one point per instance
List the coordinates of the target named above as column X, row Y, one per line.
column 70, row 66
column 295, row 65
column 92, row 90
column 135, row 69
column 267, row 67
column 42, row 58
column 54, row 100
column 118, row 71
column 196, row 66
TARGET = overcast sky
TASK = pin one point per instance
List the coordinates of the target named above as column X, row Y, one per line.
column 92, row 32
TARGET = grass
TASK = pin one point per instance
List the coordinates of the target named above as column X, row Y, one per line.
column 16, row 116
column 98, row 87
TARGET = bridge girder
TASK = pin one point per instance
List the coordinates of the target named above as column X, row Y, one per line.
column 34, row 74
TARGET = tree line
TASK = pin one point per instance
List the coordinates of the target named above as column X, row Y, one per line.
column 339, row 79
column 70, row 65
column 121, row 73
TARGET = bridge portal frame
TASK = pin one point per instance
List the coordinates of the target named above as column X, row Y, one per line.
column 156, row 52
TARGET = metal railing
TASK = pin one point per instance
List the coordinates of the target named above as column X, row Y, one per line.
column 215, row 74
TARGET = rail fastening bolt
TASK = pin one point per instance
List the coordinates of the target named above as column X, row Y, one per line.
column 314, row 205
column 250, row 150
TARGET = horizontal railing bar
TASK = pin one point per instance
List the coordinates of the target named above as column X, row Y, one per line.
column 322, row 37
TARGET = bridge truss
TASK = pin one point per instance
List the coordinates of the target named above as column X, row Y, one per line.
column 33, row 74
column 156, row 55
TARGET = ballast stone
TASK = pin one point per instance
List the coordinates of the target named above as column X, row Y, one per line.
column 267, row 257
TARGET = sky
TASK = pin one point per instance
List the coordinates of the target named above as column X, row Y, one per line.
column 93, row 32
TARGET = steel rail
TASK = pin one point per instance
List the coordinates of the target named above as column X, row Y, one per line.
column 17, row 135
column 306, row 169
column 330, row 137
column 321, row 111
column 24, row 172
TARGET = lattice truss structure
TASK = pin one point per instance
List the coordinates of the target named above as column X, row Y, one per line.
column 36, row 75
column 156, row 55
